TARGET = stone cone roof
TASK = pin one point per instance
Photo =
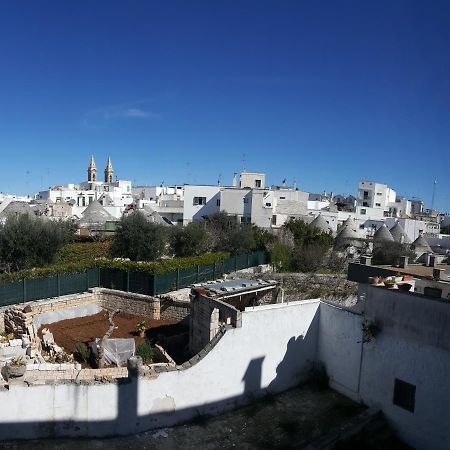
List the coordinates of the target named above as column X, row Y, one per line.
column 16, row 208
column 350, row 222
column 421, row 245
column 399, row 234
column 152, row 216
column 348, row 232
column 95, row 214
column 320, row 223
column 383, row 234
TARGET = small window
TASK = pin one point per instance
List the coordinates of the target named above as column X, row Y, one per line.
column 366, row 193
column 258, row 183
column 363, row 212
column 365, row 204
column 269, row 204
column 377, row 204
column 274, row 219
column 361, row 227
column 245, row 219
column 199, row 201
column 282, row 198
column 218, row 202
column 404, row 395
column 379, row 193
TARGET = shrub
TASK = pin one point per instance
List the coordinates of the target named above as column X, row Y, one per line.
column 145, row 351
column 83, row 351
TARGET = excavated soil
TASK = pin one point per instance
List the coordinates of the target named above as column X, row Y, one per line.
column 85, row 329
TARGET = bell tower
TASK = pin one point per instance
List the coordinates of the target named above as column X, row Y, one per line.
column 109, row 171
column 92, row 171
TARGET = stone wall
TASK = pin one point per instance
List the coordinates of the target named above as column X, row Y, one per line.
column 140, row 305
column 17, row 318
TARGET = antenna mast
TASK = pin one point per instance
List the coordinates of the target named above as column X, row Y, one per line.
column 434, row 193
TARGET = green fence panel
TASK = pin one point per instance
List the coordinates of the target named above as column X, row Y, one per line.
column 241, row 262
column 205, row 273
column 40, row 288
column 228, row 265
column 93, row 277
column 11, row 293
column 139, row 283
column 187, row 277
column 165, row 282
column 113, row 279
column 72, row 284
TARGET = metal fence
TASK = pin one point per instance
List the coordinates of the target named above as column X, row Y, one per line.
column 123, row 280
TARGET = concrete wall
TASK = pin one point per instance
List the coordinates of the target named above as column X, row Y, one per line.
column 234, row 371
column 413, row 345
column 340, row 347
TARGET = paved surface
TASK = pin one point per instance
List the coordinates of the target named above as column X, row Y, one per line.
column 289, row 420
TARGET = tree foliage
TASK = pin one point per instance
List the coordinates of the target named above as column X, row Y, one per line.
column 27, row 241
column 301, row 247
column 388, row 253
column 138, row 239
column 191, row 240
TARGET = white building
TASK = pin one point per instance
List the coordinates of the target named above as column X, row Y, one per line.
column 115, row 195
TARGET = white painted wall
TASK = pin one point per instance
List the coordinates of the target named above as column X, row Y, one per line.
column 196, row 212
column 259, row 355
column 339, row 347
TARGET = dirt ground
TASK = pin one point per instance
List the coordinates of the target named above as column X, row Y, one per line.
column 85, row 329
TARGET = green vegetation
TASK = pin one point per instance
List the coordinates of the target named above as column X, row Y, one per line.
column 191, row 240
column 301, row 247
column 138, row 239
column 145, row 351
column 75, row 253
column 388, row 253
column 27, row 241
column 83, row 351
column 445, row 229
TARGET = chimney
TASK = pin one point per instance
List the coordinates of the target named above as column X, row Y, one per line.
column 403, row 262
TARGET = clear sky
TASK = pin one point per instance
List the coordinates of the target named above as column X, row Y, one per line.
column 325, row 93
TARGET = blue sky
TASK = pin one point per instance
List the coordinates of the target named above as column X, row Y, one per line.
column 325, row 93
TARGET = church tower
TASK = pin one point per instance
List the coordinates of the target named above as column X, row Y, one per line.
column 109, row 171
column 92, row 171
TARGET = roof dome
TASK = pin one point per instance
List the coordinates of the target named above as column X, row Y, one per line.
column 421, row 245
column 399, row 234
column 348, row 232
column 383, row 234
column 320, row 223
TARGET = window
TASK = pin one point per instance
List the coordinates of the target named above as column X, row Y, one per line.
column 379, row 193
column 218, row 202
column 282, row 198
column 274, row 219
column 363, row 212
column 365, row 204
column 404, row 395
column 377, row 204
column 361, row 227
column 268, row 205
column 366, row 194
column 199, row 201
column 258, row 183
column 245, row 199
column 245, row 219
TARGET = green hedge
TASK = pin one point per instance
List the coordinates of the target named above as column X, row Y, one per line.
column 82, row 252
column 156, row 267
